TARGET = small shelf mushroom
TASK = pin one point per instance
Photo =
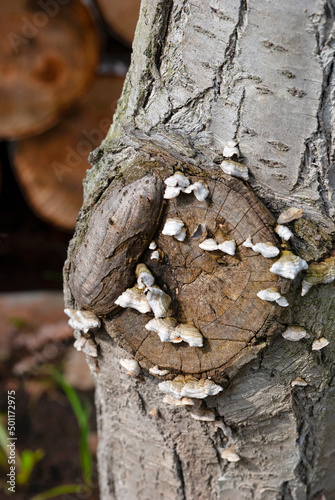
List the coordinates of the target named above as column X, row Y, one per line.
column 188, row 386
column 289, row 265
column 235, row 169
column 82, row 320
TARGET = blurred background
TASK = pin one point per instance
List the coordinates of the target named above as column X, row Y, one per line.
column 62, row 67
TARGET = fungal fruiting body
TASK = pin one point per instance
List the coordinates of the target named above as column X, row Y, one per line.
column 155, row 370
column 171, row 192
column 294, row 333
column 228, row 247
column 319, row 344
column 202, row 414
column 300, row 382
column 188, row 386
column 290, row 214
column 269, row 294
column 158, row 300
column 131, row 366
column 86, row 345
column 169, row 331
column 178, row 183
column 134, row 298
column 272, row 294
column 282, row 302
column 170, row 400
column 266, row 249
column 248, row 243
column 153, row 245
column 230, row 149
column 82, row 320
column 209, row 244
column 190, row 334
column 200, row 190
column 289, row 265
column 144, row 276
column 174, row 227
column 155, row 256
column 319, row 273
column 165, row 329
column 177, row 179
column 235, row 169
column 230, row 455
column 284, row 232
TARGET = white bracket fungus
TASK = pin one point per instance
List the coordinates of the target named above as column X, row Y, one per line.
column 210, row 245
column 188, row 386
column 202, row 414
column 319, row 344
column 170, row 400
column 144, row 276
column 155, row 370
column 230, row 455
column 179, row 183
column 295, row 333
column 319, row 273
column 155, row 256
column 82, row 320
column 134, row 298
column 131, row 366
column 165, row 329
column 267, row 249
column 235, row 169
column 290, row 214
column 300, row 382
column 86, row 345
column 158, row 300
column 230, row 149
column 284, row 232
column 175, row 227
column 289, row 265
column 272, row 295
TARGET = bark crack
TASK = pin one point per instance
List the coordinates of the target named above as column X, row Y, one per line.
column 319, row 151
column 180, row 474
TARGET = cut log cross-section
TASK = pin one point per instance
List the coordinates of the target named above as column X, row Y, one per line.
column 208, row 289
column 47, row 62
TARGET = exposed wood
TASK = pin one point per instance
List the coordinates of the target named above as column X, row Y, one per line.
column 48, row 58
column 51, row 167
column 121, row 15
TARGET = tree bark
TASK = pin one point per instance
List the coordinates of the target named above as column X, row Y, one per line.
column 203, row 73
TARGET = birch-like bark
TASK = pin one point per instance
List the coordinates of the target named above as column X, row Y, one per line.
column 203, row 73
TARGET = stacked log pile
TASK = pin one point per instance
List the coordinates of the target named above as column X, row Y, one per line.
column 57, row 99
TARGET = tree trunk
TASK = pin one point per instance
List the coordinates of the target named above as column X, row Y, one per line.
column 202, row 74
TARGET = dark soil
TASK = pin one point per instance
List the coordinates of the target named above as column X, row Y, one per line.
column 49, row 423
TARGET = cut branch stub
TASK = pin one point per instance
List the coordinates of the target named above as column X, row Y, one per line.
column 119, row 230
column 215, row 292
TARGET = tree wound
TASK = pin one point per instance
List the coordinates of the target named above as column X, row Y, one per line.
column 213, row 291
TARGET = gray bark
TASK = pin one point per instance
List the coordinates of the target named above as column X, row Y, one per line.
column 204, row 73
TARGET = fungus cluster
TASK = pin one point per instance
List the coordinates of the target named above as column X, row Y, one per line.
column 147, row 297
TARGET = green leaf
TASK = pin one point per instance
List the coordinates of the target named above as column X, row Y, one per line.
column 28, row 460
column 82, row 413
column 62, row 490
